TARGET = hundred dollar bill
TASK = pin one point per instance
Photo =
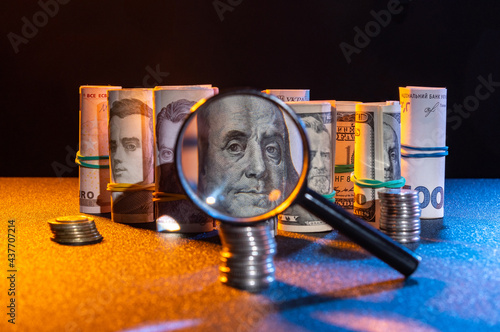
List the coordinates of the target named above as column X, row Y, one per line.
column 377, row 157
column 131, row 147
column 289, row 95
column 94, row 198
column 344, row 154
column 319, row 119
column 286, row 95
column 173, row 212
column 423, row 139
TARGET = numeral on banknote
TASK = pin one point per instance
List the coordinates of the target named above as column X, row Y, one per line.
column 360, row 199
column 348, row 155
column 431, row 197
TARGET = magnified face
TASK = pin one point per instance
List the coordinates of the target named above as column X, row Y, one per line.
column 244, row 155
column 392, row 167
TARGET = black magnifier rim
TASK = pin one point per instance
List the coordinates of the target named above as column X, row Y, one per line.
column 214, row 213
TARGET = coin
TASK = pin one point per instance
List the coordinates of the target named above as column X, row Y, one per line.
column 74, row 230
column 400, row 214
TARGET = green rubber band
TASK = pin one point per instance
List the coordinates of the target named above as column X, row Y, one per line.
column 344, row 168
column 370, row 183
column 330, row 196
column 79, row 161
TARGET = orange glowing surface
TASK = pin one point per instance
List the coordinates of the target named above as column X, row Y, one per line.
column 274, row 195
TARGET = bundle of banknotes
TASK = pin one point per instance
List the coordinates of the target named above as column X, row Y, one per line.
column 377, row 159
column 94, row 149
column 126, row 135
column 423, row 140
column 401, row 144
column 319, row 120
column 127, row 141
column 131, row 155
column 344, row 154
column 173, row 211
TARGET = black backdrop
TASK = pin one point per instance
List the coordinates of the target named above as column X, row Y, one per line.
column 50, row 48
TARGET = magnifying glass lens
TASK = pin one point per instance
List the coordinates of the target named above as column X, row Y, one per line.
column 242, row 157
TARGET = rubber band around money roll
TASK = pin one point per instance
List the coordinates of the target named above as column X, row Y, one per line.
column 370, row 183
column 80, row 160
column 330, row 196
column 344, row 168
column 442, row 151
column 121, row 187
column 159, row 196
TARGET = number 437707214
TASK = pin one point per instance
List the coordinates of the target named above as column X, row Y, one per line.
column 11, row 245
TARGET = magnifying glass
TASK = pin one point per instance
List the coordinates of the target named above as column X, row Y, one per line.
column 243, row 158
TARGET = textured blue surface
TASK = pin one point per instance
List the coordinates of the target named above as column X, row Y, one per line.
column 456, row 287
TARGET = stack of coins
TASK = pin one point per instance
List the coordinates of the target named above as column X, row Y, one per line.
column 400, row 214
column 247, row 256
column 74, row 230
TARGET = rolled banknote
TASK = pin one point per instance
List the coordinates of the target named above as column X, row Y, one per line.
column 344, row 154
column 377, row 161
column 288, row 95
column 93, row 152
column 131, row 147
column 192, row 86
column 319, row 119
column 423, row 139
column 173, row 211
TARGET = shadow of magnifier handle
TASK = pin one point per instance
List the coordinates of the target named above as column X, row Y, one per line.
column 366, row 236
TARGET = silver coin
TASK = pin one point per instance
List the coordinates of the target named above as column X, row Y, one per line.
column 77, row 241
column 403, row 214
column 400, row 224
column 77, row 237
column 74, row 230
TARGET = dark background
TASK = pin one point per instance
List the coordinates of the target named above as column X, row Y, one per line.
column 262, row 44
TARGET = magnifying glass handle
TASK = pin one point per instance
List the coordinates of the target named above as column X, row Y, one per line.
column 368, row 237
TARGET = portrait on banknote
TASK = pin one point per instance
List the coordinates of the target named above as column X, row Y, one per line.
column 131, row 156
column 130, row 146
column 245, row 159
column 168, row 124
column 392, row 147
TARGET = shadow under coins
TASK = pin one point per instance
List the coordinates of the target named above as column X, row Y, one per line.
column 431, row 229
column 208, row 237
column 330, row 244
